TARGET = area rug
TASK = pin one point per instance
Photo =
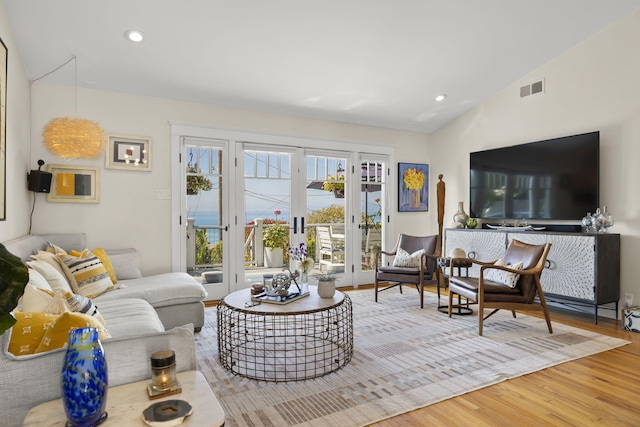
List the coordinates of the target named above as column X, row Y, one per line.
column 404, row 358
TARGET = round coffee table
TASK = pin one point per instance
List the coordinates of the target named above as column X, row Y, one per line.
column 306, row 338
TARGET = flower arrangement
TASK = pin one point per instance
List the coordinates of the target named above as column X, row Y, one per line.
column 301, row 256
column 413, row 179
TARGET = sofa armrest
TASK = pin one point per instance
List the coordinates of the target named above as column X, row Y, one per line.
column 28, row 381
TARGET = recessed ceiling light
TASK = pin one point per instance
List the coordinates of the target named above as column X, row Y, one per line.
column 135, row 36
column 440, row 97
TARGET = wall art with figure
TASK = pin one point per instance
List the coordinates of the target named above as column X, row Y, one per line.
column 413, row 187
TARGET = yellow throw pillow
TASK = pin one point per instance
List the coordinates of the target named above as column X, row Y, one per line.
column 28, row 331
column 57, row 335
column 86, row 274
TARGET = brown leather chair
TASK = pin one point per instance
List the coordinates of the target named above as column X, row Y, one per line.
column 425, row 273
column 491, row 295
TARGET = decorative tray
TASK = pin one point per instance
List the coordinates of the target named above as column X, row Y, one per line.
column 514, row 228
column 275, row 299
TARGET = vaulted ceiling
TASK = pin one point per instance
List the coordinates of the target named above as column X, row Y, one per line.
column 372, row 62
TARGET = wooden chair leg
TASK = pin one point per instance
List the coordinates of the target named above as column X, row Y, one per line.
column 480, row 315
column 450, row 302
column 421, row 289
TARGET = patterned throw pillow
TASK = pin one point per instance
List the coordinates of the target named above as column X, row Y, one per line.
column 84, row 305
column 504, row 277
column 405, row 259
column 87, row 275
column 104, row 259
column 28, row 331
column 57, row 334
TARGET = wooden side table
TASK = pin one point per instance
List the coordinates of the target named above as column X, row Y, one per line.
column 125, row 404
column 444, row 265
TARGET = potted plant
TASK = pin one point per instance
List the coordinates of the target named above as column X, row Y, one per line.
column 13, row 279
column 326, row 285
column 195, row 183
column 336, row 187
column 275, row 238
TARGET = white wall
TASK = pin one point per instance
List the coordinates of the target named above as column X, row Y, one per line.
column 128, row 214
column 17, row 134
column 591, row 87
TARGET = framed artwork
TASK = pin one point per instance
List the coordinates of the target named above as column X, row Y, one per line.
column 74, row 184
column 413, row 187
column 3, row 130
column 129, row 152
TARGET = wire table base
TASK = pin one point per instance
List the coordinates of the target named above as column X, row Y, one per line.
column 305, row 339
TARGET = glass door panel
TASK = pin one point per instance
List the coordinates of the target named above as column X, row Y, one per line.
column 326, row 202
column 267, row 212
column 372, row 212
column 206, row 217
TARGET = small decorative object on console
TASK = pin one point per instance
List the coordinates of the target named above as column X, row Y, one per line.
column 163, row 374
column 461, row 216
column 599, row 222
column 167, row 413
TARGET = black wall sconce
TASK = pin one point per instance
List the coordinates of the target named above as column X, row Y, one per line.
column 39, row 181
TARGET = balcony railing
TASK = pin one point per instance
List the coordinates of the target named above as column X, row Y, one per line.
column 204, row 246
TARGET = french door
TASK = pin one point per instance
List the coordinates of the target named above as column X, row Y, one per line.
column 250, row 187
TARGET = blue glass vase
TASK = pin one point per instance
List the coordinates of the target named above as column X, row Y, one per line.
column 84, row 379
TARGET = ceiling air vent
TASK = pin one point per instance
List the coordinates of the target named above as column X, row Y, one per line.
column 532, row 89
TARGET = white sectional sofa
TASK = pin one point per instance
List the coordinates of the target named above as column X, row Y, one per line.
column 177, row 297
column 148, row 314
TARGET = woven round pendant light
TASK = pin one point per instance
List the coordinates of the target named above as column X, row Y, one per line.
column 72, row 138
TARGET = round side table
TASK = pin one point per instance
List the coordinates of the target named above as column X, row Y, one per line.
column 444, row 265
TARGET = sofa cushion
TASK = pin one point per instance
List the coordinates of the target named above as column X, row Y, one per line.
column 130, row 317
column 125, row 262
column 86, row 273
column 159, row 290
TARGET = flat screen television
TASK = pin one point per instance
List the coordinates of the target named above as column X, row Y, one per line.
column 555, row 179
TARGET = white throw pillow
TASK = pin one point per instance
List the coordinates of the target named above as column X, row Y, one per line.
column 504, row 277
column 405, row 259
column 49, row 257
column 56, row 280
column 34, row 299
column 38, row 280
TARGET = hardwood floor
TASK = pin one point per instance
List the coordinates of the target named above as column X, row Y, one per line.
column 598, row 390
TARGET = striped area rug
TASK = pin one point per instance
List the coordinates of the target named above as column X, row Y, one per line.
column 404, row 358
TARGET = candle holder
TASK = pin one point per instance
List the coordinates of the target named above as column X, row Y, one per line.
column 163, row 375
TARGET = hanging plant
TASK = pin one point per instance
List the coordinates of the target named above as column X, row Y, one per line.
column 195, row 183
column 336, row 187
